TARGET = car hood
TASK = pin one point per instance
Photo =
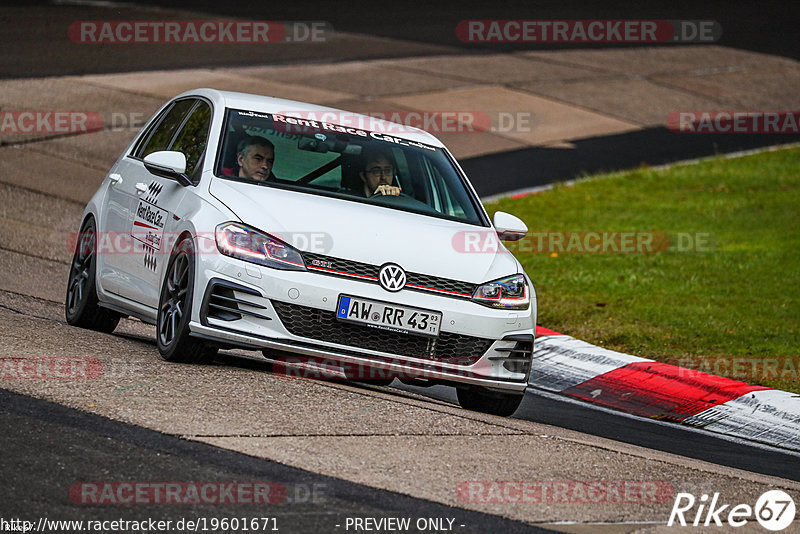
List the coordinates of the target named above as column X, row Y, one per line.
column 367, row 233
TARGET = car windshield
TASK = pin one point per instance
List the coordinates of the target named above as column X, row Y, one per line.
column 301, row 153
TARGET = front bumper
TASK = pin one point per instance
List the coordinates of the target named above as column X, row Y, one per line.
column 239, row 304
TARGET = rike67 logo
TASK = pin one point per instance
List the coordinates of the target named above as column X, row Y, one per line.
column 774, row 510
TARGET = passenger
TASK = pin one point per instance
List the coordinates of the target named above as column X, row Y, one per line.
column 377, row 174
column 255, row 157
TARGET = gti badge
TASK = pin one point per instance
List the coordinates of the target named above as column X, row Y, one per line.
column 392, row 277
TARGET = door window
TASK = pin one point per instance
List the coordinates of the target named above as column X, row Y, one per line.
column 191, row 139
column 161, row 135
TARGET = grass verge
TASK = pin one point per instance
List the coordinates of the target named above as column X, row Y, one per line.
column 718, row 291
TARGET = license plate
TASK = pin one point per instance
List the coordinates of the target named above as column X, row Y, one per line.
column 387, row 316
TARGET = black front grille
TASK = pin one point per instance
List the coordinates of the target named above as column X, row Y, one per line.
column 322, row 325
column 336, row 266
column 464, row 289
column 414, row 281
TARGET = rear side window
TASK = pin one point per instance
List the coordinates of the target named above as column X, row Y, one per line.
column 193, row 136
column 162, row 134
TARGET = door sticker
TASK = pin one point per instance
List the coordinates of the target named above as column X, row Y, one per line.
column 149, row 220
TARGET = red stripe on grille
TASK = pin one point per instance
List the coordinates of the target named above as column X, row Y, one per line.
column 439, row 290
column 659, row 390
column 343, row 273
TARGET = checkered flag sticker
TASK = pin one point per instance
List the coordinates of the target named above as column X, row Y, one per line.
column 153, row 190
column 150, row 258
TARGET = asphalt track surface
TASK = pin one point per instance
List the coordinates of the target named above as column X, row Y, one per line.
column 48, row 447
column 82, row 446
column 28, row 50
column 548, row 409
column 763, row 27
column 41, row 441
column 518, row 170
column 767, row 27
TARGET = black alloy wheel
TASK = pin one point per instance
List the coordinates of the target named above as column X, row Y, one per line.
column 81, row 306
column 175, row 310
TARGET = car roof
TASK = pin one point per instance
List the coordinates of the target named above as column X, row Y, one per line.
column 268, row 104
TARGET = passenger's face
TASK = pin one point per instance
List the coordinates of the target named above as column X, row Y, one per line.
column 256, row 162
column 377, row 172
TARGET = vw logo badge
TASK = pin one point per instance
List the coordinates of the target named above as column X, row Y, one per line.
column 392, row 277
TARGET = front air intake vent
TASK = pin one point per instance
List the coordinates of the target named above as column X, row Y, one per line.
column 519, row 356
column 220, row 302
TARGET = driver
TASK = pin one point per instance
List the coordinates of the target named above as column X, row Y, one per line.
column 255, row 157
column 377, row 174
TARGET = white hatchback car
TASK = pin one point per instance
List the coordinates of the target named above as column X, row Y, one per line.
column 236, row 220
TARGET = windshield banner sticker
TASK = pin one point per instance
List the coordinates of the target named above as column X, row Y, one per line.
column 312, row 124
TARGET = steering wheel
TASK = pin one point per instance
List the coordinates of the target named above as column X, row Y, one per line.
column 379, row 195
column 402, row 201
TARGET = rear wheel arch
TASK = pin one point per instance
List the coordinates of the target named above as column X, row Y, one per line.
column 81, row 303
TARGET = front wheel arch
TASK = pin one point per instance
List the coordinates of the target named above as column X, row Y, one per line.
column 176, row 306
column 482, row 400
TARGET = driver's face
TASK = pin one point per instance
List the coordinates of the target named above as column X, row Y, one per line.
column 377, row 172
column 256, row 162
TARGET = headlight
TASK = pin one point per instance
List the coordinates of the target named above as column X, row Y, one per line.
column 509, row 293
column 248, row 244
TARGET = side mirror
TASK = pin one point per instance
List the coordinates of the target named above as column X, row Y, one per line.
column 168, row 164
column 509, row 227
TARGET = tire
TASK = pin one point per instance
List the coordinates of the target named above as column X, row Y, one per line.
column 175, row 310
column 81, row 306
column 484, row 401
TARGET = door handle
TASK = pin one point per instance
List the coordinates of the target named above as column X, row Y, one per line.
column 141, row 188
column 115, row 178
